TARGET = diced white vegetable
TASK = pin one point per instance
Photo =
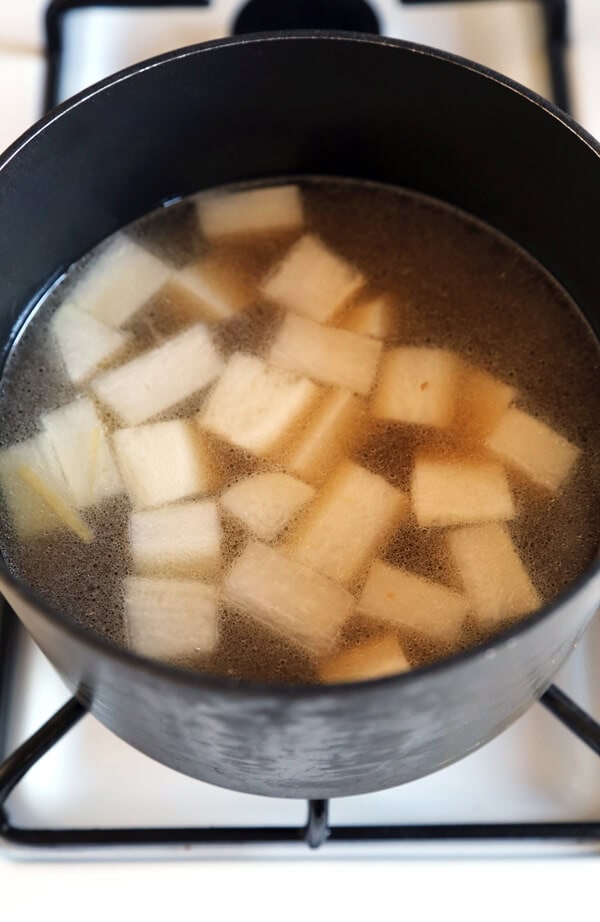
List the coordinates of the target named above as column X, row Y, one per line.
column 328, row 355
column 119, row 281
column 403, row 599
column 170, row 618
column 161, row 378
column 211, row 290
column 66, row 514
column 312, row 280
column 460, row 492
column 289, row 598
column 84, row 343
column 77, row 436
column 181, row 540
column 351, row 519
column 532, row 447
column 255, row 406
column 338, row 425
column 492, row 573
column 164, row 462
column 481, row 402
column 374, row 318
column 227, row 214
column 266, row 503
column 372, row 659
column 417, row 385
column 29, row 513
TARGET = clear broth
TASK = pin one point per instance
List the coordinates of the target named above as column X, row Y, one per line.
column 456, row 283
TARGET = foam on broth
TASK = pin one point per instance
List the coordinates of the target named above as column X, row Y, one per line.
column 454, row 283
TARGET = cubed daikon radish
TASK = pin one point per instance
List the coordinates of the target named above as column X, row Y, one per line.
column 351, row 519
column 255, row 406
column 328, row 355
column 164, row 462
column 372, row 659
column 338, row 425
column 119, row 281
column 533, row 448
column 403, row 599
column 29, row 512
column 161, row 378
column 492, row 572
column 253, row 211
column 374, row 318
column 84, row 343
column 170, row 618
column 210, row 289
column 77, row 436
column 181, row 540
column 62, row 509
column 266, row 503
column 460, row 492
column 417, row 385
column 287, row 597
column 482, row 400
column 312, row 280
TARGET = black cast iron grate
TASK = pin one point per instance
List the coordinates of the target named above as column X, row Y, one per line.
column 317, row 829
column 554, row 21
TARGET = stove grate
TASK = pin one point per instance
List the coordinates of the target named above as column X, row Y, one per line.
column 555, row 25
column 314, row 833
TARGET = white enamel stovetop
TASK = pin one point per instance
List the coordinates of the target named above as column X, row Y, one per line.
column 535, row 771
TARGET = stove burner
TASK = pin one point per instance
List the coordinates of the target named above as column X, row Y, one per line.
column 264, row 15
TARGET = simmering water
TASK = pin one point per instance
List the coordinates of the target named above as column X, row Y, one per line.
column 449, row 283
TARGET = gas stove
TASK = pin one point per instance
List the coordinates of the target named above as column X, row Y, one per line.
column 74, row 790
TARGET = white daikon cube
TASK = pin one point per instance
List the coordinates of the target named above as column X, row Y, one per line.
column 533, row 448
column 161, row 378
column 164, row 462
column 417, row 385
column 29, row 512
column 372, row 659
column 255, row 406
column 170, row 618
column 492, row 572
column 338, row 425
column 287, row 597
column 312, row 280
column 181, row 540
column 402, row 599
column 328, row 355
column 266, row 503
column 481, row 402
column 77, row 436
column 209, row 289
column 119, row 281
column 253, row 211
column 352, row 517
column 460, row 492
column 85, row 343
column 374, row 318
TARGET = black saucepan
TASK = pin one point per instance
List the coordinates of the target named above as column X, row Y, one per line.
column 271, row 105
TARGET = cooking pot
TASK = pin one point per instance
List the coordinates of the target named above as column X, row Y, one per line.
column 273, row 105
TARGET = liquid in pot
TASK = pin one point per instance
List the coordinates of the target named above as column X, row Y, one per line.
column 322, row 432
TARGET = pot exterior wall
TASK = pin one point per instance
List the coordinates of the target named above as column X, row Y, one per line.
column 326, row 742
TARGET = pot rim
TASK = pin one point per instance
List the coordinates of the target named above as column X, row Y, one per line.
column 155, row 668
